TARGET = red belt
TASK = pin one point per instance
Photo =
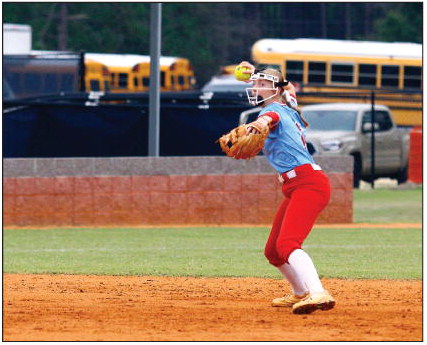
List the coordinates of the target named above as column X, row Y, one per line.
column 302, row 169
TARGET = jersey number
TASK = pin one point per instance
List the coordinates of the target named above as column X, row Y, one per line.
column 304, row 142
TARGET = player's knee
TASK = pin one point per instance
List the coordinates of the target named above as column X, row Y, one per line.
column 272, row 256
column 286, row 248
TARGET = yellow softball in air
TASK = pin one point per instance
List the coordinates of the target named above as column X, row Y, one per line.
column 238, row 73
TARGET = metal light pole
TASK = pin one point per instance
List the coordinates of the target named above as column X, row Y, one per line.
column 154, row 95
column 372, row 139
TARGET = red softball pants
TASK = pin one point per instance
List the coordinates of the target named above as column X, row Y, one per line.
column 306, row 195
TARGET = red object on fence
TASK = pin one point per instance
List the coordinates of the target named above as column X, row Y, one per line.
column 415, row 165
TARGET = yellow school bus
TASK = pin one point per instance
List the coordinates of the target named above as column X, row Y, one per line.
column 131, row 72
column 326, row 71
column 119, row 67
column 176, row 74
column 97, row 76
column 228, row 69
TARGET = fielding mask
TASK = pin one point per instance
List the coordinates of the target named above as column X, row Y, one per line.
column 253, row 92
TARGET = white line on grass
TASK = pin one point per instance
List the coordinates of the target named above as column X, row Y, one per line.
column 143, row 249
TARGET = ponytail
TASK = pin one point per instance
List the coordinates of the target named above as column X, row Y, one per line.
column 301, row 116
column 292, row 103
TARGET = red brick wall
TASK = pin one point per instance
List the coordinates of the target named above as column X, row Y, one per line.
column 157, row 200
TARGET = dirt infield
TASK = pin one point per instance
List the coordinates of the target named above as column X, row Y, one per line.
column 115, row 308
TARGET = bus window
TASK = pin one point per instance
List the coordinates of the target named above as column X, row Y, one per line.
column 317, row 72
column 135, row 81
column 67, row 82
column 51, row 83
column 181, row 80
column 390, row 76
column 162, row 78
column 94, row 85
column 106, row 85
column 412, row 77
column 146, row 81
column 342, row 73
column 295, row 70
column 123, row 81
column 15, row 81
column 32, row 82
column 367, row 75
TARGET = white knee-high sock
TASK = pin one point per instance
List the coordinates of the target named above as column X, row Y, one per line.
column 298, row 286
column 301, row 262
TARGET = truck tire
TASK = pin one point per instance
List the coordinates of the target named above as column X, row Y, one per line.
column 357, row 170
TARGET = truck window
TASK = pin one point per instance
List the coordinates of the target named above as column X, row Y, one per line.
column 381, row 117
column 331, row 120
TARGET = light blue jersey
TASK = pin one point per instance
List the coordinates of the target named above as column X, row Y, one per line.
column 286, row 146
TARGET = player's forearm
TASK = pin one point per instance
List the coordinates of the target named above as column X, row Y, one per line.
column 271, row 118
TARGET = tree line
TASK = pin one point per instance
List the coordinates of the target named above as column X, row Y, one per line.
column 210, row 34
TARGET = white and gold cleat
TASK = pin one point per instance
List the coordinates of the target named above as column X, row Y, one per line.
column 313, row 302
column 288, row 300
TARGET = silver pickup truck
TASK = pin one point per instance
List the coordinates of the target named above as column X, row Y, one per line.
column 345, row 129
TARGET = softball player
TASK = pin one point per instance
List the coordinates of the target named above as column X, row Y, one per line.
column 305, row 187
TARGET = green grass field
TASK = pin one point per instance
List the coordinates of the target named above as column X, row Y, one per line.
column 388, row 205
column 228, row 252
